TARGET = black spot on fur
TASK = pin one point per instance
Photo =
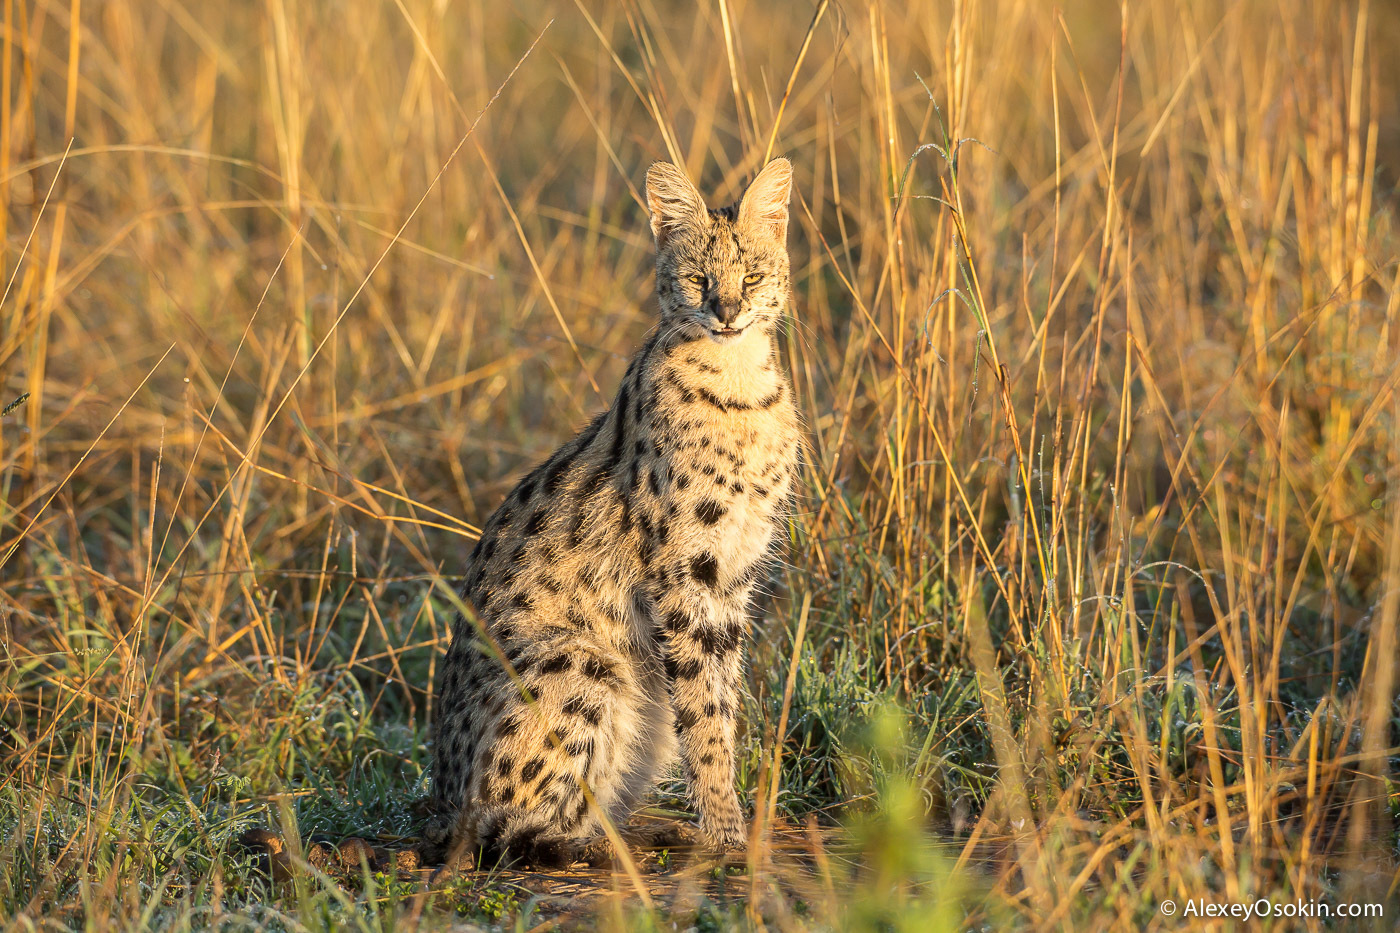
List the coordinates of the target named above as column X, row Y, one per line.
column 578, row 706
column 533, row 768
column 705, row 568
column 682, row 670
column 579, row 747
column 554, row 473
column 555, row 665
column 712, row 640
column 733, row 636
column 576, row 531
column 536, row 523
column 709, row 511
column 620, row 424
column 599, row 670
column 714, row 400
column 596, row 480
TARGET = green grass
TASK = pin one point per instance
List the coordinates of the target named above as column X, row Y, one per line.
column 1096, row 567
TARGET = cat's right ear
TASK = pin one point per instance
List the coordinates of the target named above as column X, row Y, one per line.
column 672, row 200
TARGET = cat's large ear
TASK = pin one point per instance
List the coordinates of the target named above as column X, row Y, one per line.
column 672, row 200
column 765, row 205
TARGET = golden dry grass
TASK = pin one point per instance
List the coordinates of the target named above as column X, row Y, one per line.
column 1094, row 329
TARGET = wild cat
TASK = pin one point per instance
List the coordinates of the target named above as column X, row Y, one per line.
column 616, row 578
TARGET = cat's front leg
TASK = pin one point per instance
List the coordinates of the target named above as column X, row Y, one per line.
column 703, row 635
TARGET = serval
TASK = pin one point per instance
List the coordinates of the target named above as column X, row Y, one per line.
column 611, row 590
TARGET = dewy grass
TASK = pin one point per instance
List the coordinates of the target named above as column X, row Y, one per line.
column 1094, row 334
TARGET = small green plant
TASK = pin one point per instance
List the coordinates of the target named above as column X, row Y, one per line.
column 495, row 903
column 903, row 882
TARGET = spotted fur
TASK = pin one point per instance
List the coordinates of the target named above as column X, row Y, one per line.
column 612, row 588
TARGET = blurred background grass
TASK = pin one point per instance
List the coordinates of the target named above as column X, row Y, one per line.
column 1094, row 333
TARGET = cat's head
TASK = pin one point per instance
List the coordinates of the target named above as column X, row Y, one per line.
column 720, row 273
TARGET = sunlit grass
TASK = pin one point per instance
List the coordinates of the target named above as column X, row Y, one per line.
column 1097, row 560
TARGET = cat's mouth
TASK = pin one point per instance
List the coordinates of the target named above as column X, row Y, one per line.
column 726, row 334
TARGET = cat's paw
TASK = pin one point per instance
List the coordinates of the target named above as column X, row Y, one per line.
column 724, row 832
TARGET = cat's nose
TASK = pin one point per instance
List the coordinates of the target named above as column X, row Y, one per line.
column 724, row 311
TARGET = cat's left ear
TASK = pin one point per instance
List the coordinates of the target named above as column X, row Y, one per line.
column 765, row 205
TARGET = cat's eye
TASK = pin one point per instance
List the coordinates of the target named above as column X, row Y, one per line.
column 697, row 279
column 753, row 278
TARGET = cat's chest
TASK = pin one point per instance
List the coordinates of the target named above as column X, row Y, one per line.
column 729, row 474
